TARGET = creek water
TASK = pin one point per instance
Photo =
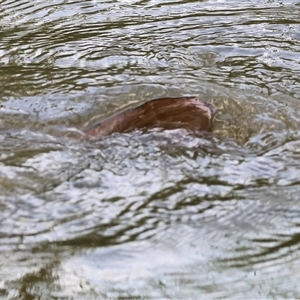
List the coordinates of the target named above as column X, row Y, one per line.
column 162, row 214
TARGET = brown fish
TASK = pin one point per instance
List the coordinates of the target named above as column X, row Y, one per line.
column 189, row 113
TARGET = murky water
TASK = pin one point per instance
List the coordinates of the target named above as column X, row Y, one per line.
column 162, row 215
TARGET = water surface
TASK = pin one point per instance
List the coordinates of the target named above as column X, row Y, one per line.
column 161, row 215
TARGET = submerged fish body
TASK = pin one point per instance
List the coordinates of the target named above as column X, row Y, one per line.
column 189, row 113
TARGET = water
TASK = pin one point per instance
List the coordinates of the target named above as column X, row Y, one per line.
column 162, row 215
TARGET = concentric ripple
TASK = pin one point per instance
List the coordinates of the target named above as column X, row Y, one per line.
column 155, row 215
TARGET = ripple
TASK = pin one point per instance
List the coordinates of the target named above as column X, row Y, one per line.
column 160, row 214
column 97, row 43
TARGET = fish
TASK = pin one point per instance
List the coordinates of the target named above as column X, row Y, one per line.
column 189, row 113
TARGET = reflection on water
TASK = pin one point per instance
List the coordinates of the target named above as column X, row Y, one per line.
column 162, row 214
